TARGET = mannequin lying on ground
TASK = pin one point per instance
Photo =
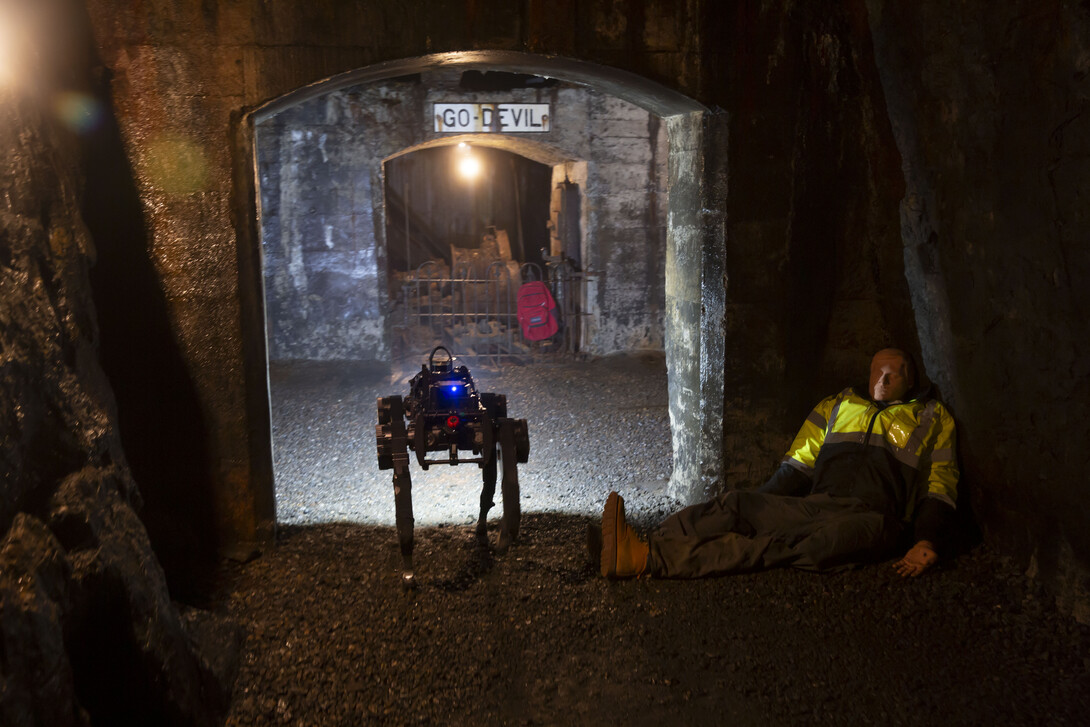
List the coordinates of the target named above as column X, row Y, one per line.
column 860, row 471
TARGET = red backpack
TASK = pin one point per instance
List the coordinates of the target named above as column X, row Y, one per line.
column 535, row 311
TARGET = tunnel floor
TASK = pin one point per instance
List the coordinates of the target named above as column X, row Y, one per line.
column 594, row 426
column 536, row 637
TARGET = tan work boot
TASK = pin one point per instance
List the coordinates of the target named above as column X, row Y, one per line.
column 624, row 555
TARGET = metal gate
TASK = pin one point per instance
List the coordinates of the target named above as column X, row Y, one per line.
column 474, row 313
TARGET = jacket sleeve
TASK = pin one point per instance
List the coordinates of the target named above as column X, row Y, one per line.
column 934, row 521
column 935, row 513
column 795, row 475
column 787, row 481
column 805, row 449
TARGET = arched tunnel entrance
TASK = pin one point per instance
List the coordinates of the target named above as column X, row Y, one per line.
column 652, row 322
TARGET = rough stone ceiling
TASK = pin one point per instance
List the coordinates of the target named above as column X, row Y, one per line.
column 635, row 89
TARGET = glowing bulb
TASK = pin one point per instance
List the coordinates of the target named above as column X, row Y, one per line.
column 469, row 167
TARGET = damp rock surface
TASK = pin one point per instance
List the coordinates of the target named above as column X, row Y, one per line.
column 89, row 634
column 537, row 637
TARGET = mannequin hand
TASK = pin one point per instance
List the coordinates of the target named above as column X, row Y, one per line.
column 919, row 558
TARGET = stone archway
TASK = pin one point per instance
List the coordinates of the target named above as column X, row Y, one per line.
column 695, row 266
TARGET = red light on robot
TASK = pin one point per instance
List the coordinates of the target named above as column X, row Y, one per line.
column 453, row 421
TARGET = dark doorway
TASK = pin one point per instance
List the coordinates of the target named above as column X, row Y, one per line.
column 466, row 225
column 431, row 206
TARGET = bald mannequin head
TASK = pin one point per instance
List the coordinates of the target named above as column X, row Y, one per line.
column 891, row 374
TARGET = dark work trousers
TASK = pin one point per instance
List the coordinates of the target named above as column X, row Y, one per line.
column 742, row 531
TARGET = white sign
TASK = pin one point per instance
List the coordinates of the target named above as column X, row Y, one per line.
column 492, row 117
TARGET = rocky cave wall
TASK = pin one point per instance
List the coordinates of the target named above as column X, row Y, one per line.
column 88, row 631
column 322, row 196
column 991, row 111
column 814, row 255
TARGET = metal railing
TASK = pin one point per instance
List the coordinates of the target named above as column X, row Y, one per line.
column 474, row 312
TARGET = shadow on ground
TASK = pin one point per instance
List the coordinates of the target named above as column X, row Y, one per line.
column 536, row 637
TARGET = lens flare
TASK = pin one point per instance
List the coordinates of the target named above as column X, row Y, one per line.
column 177, row 165
column 78, row 111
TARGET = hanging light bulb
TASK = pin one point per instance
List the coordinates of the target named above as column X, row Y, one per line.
column 469, row 166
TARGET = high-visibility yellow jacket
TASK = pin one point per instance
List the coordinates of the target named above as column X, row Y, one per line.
column 899, row 457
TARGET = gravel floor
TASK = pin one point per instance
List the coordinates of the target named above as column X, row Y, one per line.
column 536, row 637
column 593, row 427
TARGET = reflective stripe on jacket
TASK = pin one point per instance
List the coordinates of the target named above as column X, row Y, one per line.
column 893, row 455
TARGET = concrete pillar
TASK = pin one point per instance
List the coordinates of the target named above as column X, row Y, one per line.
column 696, row 300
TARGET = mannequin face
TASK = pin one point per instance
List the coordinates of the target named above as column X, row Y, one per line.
column 889, row 376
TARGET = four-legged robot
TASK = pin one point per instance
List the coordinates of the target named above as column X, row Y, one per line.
column 444, row 413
